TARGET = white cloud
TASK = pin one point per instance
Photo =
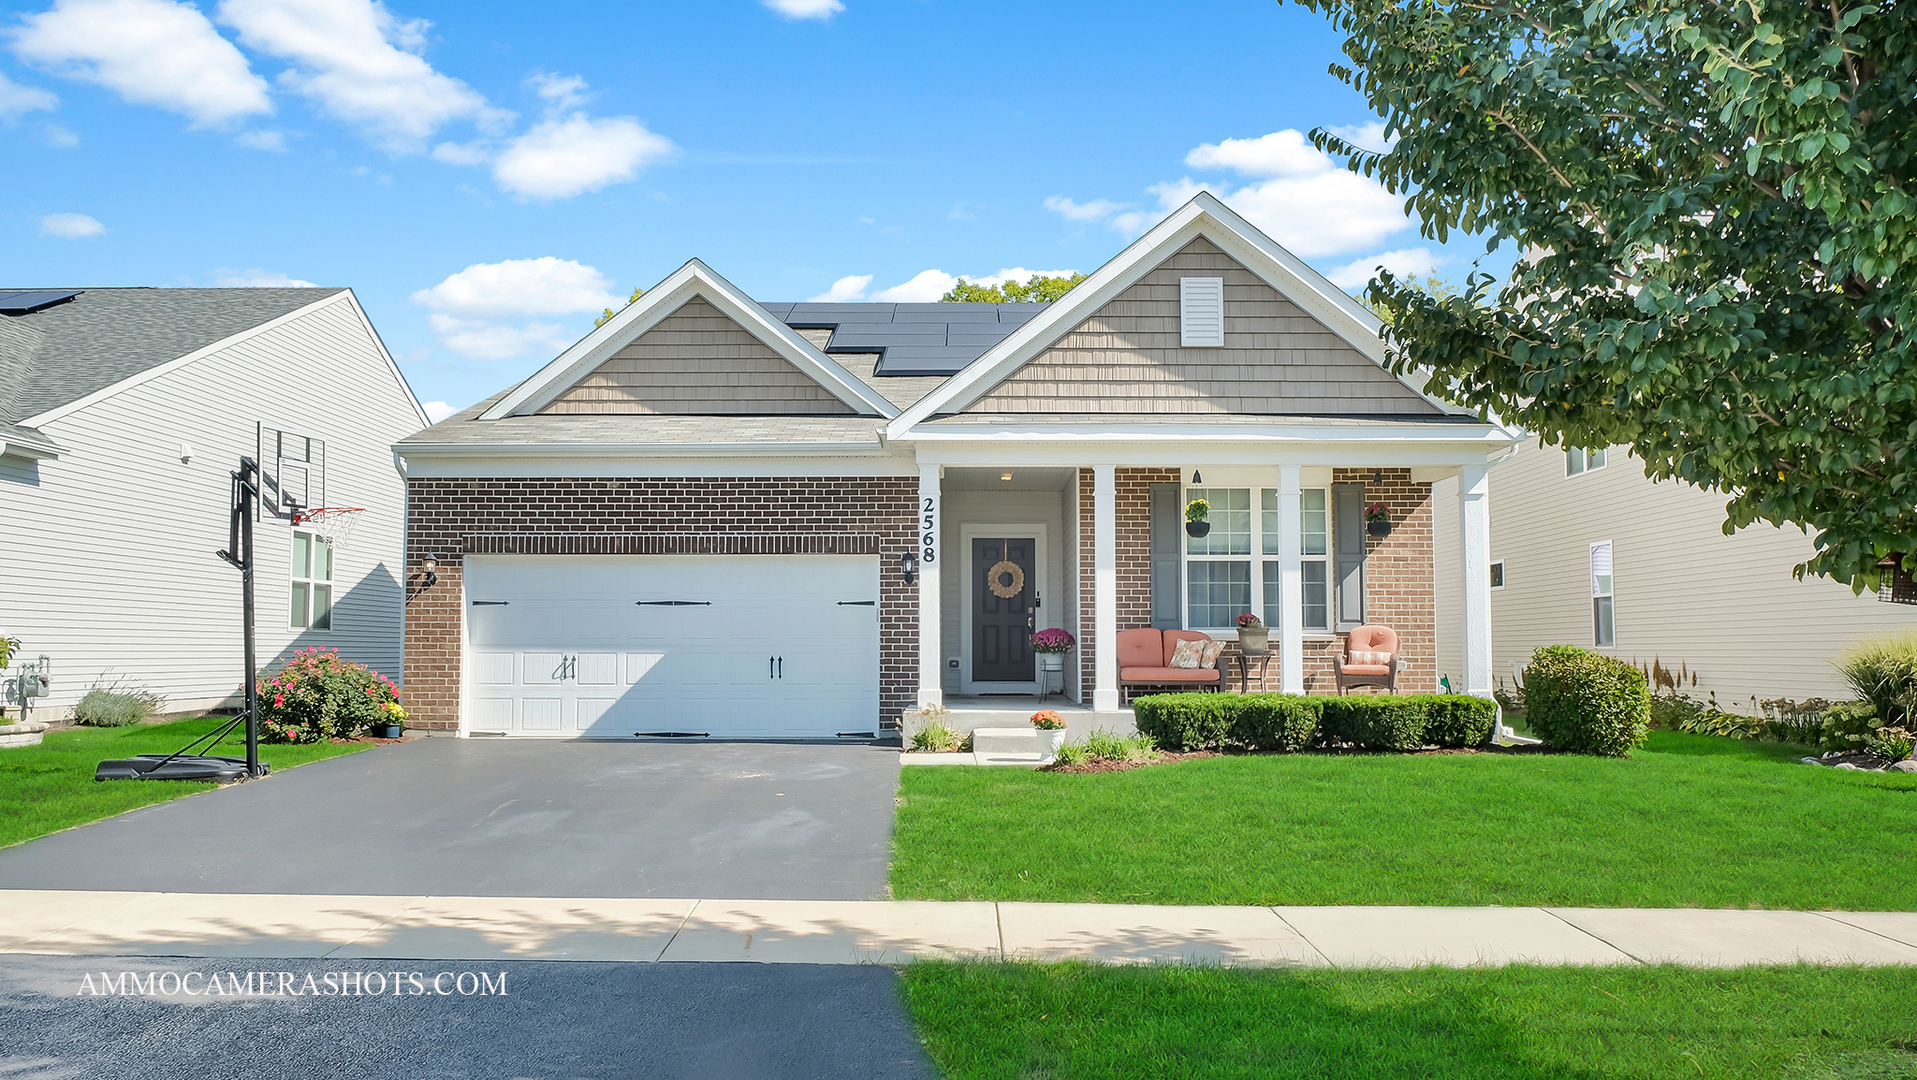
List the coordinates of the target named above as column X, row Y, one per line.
column 1091, row 211
column 58, row 137
column 262, row 140
column 1298, row 196
column 560, row 158
column 1369, row 136
column 924, row 288
column 844, row 291
column 473, row 153
column 477, row 311
column 1402, row 262
column 154, row 52
column 257, row 278
column 17, row 100
column 71, row 226
column 806, row 9
column 438, row 410
column 560, row 91
column 1018, row 274
column 361, row 63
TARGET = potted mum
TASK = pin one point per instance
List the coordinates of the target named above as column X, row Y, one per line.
column 1254, row 637
column 1051, row 647
column 1196, row 513
column 1051, row 731
column 394, row 724
column 1378, row 519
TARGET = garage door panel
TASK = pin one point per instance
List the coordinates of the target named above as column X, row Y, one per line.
column 753, row 646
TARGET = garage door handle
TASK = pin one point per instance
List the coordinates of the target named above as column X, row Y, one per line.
column 858, row 603
column 675, row 603
column 781, row 667
column 769, row 661
column 491, row 603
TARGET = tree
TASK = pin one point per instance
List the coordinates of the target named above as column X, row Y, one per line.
column 1039, row 290
column 1714, row 201
column 607, row 316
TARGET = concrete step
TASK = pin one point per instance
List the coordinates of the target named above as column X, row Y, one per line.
column 1006, row 740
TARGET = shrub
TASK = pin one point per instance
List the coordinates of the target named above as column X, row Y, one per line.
column 316, row 696
column 1848, row 723
column 1579, row 701
column 1456, row 721
column 1671, row 712
column 1185, row 722
column 933, row 737
column 1884, row 673
column 1381, row 722
column 1284, row 722
column 1893, row 744
column 116, row 707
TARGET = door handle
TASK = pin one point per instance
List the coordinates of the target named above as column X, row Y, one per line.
column 781, row 667
column 769, row 661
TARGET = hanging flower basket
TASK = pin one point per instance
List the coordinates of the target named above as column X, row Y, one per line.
column 1378, row 519
column 1196, row 511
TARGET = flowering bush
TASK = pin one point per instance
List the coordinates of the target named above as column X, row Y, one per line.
column 1052, row 641
column 1049, row 720
column 316, row 696
column 1248, row 620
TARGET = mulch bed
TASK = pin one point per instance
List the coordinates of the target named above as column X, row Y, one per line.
column 1105, row 765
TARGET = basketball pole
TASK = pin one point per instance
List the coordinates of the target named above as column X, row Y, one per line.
column 246, row 495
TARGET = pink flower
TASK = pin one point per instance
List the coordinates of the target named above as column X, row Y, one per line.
column 281, row 700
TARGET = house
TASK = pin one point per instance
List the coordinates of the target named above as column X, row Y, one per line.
column 1586, row 550
column 719, row 516
column 123, row 414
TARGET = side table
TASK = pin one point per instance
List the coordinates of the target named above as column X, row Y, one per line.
column 1244, row 669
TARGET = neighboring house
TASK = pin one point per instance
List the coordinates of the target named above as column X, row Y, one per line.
column 713, row 515
column 1586, row 550
column 123, row 414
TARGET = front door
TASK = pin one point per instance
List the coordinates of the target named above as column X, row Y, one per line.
column 1004, row 581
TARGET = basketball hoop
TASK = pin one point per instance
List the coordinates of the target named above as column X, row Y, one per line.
column 333, row 524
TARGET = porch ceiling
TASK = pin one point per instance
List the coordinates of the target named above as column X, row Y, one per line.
column 1048, row 478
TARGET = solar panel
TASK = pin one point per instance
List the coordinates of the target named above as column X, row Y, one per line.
column 26, row 301
column 916, row 339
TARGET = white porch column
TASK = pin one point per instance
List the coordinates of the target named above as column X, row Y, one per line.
column 1291, row 584
column 1474, row 523
column 1105, row 587
column 931, row 664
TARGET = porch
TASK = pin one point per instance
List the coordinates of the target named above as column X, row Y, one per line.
column 1008, row 549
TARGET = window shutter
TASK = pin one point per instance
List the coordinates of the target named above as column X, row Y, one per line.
column 1168, row 529
column 1201, row 312
column 1348, row 526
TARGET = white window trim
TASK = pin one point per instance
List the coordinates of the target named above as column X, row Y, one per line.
column 1497, row 579
column 1583, row 458
column 1596, row 595
column 293, row 578
column 1257, row 558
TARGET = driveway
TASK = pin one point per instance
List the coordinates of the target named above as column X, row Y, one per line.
column 479, row 817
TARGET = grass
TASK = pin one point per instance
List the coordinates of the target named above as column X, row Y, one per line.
column 1689, row 821
column 987, row 1021
column 50, row 787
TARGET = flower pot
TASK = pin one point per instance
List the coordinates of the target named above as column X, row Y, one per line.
column 1254, row 640
column 1052, row 661
column 1052, row 741
column 388, row 731
column 1197, row 529
column 1381, row 527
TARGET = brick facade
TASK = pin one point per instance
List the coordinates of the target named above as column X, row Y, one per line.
column 1399, row 589
column 720, row 516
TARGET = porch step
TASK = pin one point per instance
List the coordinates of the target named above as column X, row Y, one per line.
column 1006, row 740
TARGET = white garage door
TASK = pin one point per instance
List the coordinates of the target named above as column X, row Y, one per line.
column 766, row 646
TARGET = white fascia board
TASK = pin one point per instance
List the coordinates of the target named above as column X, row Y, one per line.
column 391, row 364
column 1355, row 454
column 171, row 366
column 1204, row 216
column 693, row 279
column 421, row 451
column 1480, row 435
column 804, row 463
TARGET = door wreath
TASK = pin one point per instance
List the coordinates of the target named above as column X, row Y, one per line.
column 998, row 571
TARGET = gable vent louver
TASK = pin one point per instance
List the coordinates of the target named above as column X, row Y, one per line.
column 1201, row 312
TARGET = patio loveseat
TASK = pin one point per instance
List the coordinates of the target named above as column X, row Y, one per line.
column 1145, row 659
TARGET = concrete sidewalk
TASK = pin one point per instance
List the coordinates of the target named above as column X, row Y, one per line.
column 893, row 932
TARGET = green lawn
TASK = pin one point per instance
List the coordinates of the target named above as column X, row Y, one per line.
column 983, row 1021
column 50, row 787
column 1690, row 820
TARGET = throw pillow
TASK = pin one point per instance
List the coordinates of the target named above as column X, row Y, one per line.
column 1361, row 657
column 1188, row 654
column 1213, row 650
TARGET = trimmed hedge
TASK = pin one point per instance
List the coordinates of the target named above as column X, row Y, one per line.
column 1579, row 701
column 1291, row 722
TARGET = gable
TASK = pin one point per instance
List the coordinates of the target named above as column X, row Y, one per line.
column 1125, row 358
column 698, row 361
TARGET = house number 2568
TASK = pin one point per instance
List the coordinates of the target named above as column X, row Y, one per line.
column 929, row 521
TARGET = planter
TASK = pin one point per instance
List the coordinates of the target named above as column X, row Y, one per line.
column 1052, row 740
column 1196, row 529
column 1378, row 528
column 1254, row 642
column 388, row 731
column 1051, row 668
column 29, row 733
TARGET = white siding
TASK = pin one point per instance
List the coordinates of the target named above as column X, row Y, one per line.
column 107, row 560
column 1725, row 607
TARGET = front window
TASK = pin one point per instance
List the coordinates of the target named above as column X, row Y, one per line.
column 1603, row 615
column 312, row 587
column 1582, row 461
column 1242, row 550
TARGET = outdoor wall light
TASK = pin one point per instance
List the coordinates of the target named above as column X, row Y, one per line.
column 430, row 566
column 909, row 566
column 1197, row 477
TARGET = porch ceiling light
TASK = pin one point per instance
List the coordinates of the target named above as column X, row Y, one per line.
column 1005, row 476
column 1197, row 477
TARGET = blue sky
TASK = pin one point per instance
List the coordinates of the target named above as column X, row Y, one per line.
column 487, row 177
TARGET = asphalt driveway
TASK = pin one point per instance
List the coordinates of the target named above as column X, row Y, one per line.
column 479, row 817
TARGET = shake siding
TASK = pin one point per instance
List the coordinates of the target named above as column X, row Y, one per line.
column 107, row 560
column 697, row 361
column 1687, row 596
column 1277, row 360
